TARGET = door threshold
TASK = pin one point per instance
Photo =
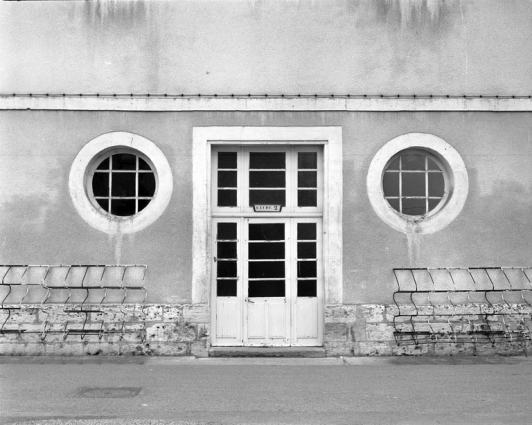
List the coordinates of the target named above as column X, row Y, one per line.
column 267, row 352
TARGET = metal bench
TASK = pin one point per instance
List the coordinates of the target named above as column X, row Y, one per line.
column 459, row 305
column 72, row 291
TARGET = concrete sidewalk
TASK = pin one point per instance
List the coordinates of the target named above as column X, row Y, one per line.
column 186, row 390
column 268, row 361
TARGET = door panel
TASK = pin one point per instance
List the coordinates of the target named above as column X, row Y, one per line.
column 307, row 274
column 227, row 320
column 227, row 268
column 277, row 320
column 266, row 254
column 306, row 318
column 257, row 315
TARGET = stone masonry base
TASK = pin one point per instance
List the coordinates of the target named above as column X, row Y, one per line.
column 184, row 330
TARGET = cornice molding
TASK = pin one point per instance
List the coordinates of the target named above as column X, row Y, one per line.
column 156, row 102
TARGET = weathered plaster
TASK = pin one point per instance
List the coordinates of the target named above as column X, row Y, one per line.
column 406, row 46
column 494, row 228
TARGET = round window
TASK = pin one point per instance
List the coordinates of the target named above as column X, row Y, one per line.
column 418, row 183
column 122, row 183
column 414, row 183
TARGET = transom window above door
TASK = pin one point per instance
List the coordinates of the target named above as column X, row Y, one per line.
column 255, row 179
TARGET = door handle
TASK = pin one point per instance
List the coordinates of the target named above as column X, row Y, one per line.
column 249, row 301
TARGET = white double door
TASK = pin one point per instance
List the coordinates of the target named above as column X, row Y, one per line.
column 267, row 281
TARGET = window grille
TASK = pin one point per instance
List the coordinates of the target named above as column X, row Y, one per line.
column 123, row 184
column 414, row 183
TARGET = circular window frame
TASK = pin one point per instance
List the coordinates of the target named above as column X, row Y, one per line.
column 455, row 175
column 443, row 168
column 83, row 167
column 91, row 168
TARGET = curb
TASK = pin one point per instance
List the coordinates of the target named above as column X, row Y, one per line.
column 266, row 361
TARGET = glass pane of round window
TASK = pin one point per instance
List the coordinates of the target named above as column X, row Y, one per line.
column 123, row 184
column 413, row 183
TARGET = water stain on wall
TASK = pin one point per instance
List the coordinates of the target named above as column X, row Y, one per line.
column 413, row 239
column 407, row 13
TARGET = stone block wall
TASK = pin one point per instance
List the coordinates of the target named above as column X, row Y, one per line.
column 129, row 329
column 368, row 330
column 184, row 330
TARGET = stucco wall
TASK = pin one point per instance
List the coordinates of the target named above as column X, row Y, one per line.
column 274, row 47
column 39, row 224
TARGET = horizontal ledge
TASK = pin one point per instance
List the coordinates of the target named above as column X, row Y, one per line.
column 269, row 103
column 294, row 351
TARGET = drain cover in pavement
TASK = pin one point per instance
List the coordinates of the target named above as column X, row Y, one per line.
column 108, row 392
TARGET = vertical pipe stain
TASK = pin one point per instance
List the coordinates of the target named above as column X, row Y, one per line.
column 115, row 241
column 413, row 238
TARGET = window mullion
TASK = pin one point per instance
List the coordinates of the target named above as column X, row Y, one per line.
column 426, row 184
column 136, row 184
column 242, row 164
column 110, row 181
column 291, row 189
column 400, row 184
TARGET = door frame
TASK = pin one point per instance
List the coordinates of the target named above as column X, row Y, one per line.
column 206, row 137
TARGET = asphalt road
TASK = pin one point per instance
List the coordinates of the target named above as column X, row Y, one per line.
column 376, row 391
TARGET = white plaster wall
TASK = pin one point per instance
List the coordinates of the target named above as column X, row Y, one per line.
column 254, row 46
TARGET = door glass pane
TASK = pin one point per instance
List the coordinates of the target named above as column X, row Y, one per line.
column 266, row 251
column 306, row 288
column 226, row 260
column 306, row 250
column 267, row 160
column 266, row 232
column 306, row 269
column 266, row 277
column 307, row 179
column 226, row 268
column 226, row 288
column 227, row 178
column 307, row 198
column 273, row 179
column 226, row 231
column 226, row 250
column 306, row 231
column 267, row 197
column 266, row 288
column 267, row 179
column 266, row 269
column 227, row 198
column 227, row 160
column 307, row 160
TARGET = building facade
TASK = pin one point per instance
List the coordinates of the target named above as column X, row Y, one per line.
column 347, row 177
